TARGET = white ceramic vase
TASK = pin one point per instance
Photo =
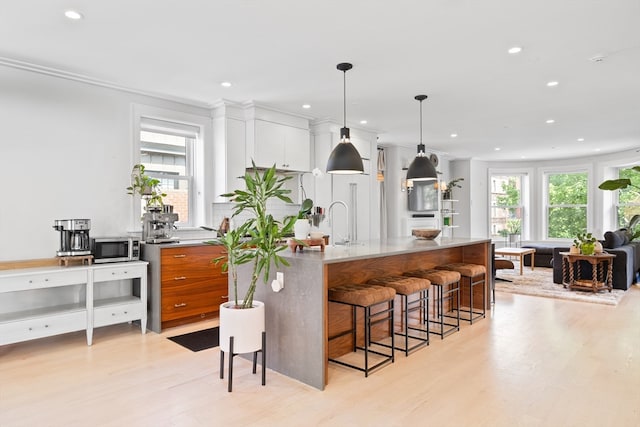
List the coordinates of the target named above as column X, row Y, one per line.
column 244, row 325
column 301, row 228
column 597, row 248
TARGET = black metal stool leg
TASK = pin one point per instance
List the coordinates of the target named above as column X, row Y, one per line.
column 230, row 363
column 264, row 357
column 221, row 364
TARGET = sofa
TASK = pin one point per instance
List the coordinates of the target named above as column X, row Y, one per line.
column 626, row 264
column 543, row 256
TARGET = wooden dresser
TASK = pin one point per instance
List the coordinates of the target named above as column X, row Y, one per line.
column 185, row 284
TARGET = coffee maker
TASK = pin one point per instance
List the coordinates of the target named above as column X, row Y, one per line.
column 158, row 224
column 74, row 236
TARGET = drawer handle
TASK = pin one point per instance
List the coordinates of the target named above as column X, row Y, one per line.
column 182, row 304
column 180, row 278
column 114, row 273
column 179, row 256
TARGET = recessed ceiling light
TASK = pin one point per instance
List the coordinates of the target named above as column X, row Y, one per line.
column 580, row 139
column 550, row 121
column 497, row 149
column 225, row 84
column 306, row 106
column 597, row 149
column 363, row 122
column 523, row 157
column 552, row 83
column 515, row 49
column 73, row 14
column 454, row 135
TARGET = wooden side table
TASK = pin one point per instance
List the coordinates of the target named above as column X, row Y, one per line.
column 599, row 280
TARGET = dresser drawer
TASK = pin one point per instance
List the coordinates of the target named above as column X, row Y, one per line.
column 114, row 314
column 201, row 255
column 20, row 282
column 193, row 263
column 118, row 273
column 183, row 304
column 44, row 326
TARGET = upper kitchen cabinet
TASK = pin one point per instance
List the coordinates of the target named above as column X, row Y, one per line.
column 278, row 138
column 229, row 149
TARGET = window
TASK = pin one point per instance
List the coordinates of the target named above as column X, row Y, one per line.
column 566, row 204
column 507, row 210
column 628, row 203
column 167, row 151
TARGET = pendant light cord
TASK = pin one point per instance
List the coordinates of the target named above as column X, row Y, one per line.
column 420, row 122
column 344, row 96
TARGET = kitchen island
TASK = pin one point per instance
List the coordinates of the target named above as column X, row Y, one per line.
column 300, row 318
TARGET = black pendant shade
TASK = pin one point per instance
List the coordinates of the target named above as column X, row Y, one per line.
column 345, row 159
column 421, row 168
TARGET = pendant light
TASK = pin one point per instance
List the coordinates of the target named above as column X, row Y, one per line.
column 421, row 169
column 344, row 158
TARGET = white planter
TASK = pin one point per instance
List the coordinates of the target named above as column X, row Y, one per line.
column 244, row 325
column 301, row 229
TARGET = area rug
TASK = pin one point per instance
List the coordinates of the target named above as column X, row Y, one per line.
column 199, row 340
column 539, row 282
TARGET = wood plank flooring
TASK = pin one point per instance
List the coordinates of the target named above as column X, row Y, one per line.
column 534, row 362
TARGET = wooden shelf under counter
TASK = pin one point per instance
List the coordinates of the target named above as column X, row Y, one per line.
column 186, row 285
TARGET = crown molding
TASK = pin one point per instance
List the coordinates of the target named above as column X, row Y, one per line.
column 54, row 72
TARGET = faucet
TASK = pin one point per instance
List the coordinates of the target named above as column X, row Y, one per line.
column 333, row 236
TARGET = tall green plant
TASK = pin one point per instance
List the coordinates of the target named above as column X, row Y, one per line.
column 259, row 239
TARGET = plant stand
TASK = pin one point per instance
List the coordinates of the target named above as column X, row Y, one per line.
column 263, row 350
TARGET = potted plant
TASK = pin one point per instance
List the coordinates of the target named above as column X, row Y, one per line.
column 146, row 187
column 446, row 191
column 513, row 229
column 302, row 226
column 258, row 241
column 586, row 242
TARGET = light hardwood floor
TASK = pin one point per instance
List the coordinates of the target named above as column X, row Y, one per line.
column 533, row 362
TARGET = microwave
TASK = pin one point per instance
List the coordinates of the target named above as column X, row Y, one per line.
column 115, row 249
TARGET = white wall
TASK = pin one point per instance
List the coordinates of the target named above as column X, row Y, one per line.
column 66, row 152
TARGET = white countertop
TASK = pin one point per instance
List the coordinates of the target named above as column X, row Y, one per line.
column 379, row 248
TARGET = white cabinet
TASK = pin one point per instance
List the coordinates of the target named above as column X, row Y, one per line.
column 41, row 302
column 269, row 143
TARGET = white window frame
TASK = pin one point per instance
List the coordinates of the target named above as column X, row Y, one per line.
column 525, row 197
column 524, row 209
column 200, row 201
column 588, row 169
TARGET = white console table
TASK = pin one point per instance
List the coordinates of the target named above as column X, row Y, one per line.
column 45, row 301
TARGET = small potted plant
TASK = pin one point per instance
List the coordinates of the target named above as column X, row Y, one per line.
column 146, row 187
column 302, row 225
column 446, row 190
column 514, row 229
column 586, row 242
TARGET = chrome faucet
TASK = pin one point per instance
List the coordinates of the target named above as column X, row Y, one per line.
column 333, row 236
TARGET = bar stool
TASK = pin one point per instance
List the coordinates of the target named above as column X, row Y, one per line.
column 475, row 275
column 366, row 296
column 405, row 287
column 447, row 288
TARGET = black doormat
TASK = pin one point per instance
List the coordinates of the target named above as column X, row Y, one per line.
column 199, row 340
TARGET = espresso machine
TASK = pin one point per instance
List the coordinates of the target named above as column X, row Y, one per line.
column 74, row 236
column 158, row 224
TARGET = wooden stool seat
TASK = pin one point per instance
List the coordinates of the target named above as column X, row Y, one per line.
column 465, row 269
column 362, row 295
column 402, row 284
column 436, row 277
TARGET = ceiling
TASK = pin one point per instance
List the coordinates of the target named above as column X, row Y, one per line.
column 283, row 54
